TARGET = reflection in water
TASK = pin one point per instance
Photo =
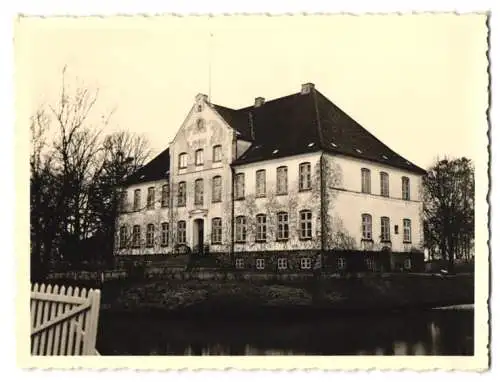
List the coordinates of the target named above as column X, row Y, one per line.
column 447, row 332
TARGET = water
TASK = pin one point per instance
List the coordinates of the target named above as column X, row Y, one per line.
column 436, row 332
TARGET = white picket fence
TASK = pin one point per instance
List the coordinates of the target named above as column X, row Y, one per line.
column 64, row 320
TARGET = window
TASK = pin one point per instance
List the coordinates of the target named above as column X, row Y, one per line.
column 151, row 198
column 217, row 154
column 150, row 235
column 241, row 228
column 181, row 232
column 366, row 181
column 123, row 236
column 239, row 263
column 165, row 195
column 260, row 183
column 181, row 194
column 260, row 264
column 406, row 230
column 239, row 186
column 407, row 264
column 216, row 230
column 282, row 263
column 370, row 263
column 341, row 263
column 136, row 236
column 304, row 176
column 282, row 226
column 164, row 234
column 123, row 201
column 385, row 230
column 405, row 182
column 199, row 108
column 200, row 124
column 261, row 228
column 305, row 263
column 216, row 189
column 305, row 224
column 396, row 229
column 198, row 157
column 183, row 160
column 281, row 180
column 384, row 184
column 198, row 191
column 366, row 225
column 137, row 200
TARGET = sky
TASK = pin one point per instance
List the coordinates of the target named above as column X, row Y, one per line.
column 417, row 82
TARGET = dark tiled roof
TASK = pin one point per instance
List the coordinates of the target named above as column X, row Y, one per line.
column 156, row 169
column 301, row 123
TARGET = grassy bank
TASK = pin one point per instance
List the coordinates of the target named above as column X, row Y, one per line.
column 188, row 298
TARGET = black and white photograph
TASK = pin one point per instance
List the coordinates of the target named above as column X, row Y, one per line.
column 240, row 186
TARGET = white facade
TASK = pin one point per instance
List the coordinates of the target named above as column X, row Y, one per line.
column 343, row 201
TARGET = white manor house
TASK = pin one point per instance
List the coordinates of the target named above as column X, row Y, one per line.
column 272, row 186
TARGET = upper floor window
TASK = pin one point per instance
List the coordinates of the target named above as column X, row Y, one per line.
column 385, row 229
column 239, row 186
column 407, row 230
column 241, row 228
column 183, row 157
column 366, row 226
column 366, row 181
column 137, row 199
column 181, row 232
column 216, row 230
column 282, row 180
column 151, row 198
column 198, row 157
column 261, row 233
column 217, row 153
column 283, row 230
column 405, row 187
column 198, row 191
column 136, row 236
column 164, row 234
column 123, row 236
column 216, row 189
column 305, row 224
column 150, row 235
column 305, row 176
column 181, row 194
column 384, row 184
column 165, row 195
column 260, row 182
column 123, row 201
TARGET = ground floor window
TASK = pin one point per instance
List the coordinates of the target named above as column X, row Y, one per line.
column 305, row 263
column 341, row 263
column 181, row 232
column 123, row 236
column 136, row 236
column 370, row 263
column 239, row 263
column 407, row 264
column 282, row 263
column 150, row 235
column 216, row 230
column 260, row 264
column 164, row 234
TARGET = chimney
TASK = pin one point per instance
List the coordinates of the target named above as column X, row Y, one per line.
column 259, row 101
column 306, row 88
column 201, row 97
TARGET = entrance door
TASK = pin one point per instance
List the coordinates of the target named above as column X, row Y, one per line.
column 198, row 235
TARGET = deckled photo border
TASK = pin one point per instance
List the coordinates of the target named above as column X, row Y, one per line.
column 477, row 362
